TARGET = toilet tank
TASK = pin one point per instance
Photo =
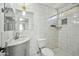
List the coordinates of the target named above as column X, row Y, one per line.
column 42, row 43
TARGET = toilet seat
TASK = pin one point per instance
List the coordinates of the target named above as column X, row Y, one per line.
column 47, row 52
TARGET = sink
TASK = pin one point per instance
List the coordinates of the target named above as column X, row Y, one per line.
column 18, row 41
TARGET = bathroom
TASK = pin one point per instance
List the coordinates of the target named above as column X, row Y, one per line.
column 39, row 29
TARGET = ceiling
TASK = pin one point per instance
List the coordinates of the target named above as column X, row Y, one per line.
column 54, row 6
column 51, row 5
column 57, row 5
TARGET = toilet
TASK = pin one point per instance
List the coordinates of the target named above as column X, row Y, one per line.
column 44, row 50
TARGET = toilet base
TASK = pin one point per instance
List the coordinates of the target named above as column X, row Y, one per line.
column 47, row 52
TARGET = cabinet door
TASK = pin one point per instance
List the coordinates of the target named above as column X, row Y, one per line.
column 19, row 50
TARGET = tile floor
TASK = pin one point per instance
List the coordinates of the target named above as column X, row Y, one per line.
column 60, row 52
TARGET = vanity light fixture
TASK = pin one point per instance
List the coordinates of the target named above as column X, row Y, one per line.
column 23, row 7
column 23, row 13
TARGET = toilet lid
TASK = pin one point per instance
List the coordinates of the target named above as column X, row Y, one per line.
column 47, row 52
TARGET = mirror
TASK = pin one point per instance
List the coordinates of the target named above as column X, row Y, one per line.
column 23, row 25
column 24, row 20
column 9, row 24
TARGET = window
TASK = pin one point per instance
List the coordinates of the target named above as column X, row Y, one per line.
column 64, row 21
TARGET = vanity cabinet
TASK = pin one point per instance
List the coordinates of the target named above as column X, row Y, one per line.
column 19, row 50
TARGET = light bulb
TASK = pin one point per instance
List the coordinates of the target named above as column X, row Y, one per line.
column 23, row 13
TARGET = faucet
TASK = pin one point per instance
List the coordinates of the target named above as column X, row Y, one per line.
column 17, row 35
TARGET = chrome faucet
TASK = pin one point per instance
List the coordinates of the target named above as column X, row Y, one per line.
column 17, row 35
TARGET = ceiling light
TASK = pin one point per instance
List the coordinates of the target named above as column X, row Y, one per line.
column 23, row 13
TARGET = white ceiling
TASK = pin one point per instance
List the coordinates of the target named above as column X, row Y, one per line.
column 54, row 6
column 62, row 7
column 57, row 5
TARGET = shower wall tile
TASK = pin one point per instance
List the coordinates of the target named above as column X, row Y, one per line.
column 69, row 36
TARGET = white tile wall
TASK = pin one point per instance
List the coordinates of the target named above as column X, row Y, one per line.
column 1, row 21
column 5, row 36
column 69, row 34
column 41, row 27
